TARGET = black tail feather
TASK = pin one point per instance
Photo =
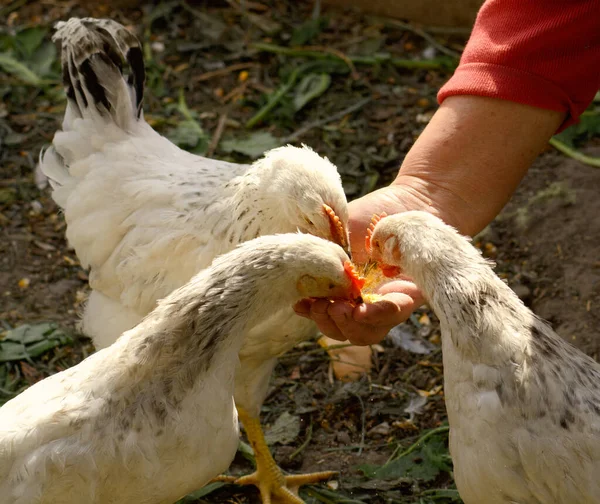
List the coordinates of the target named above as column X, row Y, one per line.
column 90, row 44
column 135, row 57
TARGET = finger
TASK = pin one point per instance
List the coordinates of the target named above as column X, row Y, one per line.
column 404, row 286
column 302, row 308
column 392, row 310
column 319, row 314
column 357, row 333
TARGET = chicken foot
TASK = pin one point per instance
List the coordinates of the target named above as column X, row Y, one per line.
column 274, row 486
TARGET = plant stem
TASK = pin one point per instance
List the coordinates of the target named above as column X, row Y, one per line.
column 278, row 95
column 321, row 122
column 415, row 445
column 376, row 59
column 572, row 153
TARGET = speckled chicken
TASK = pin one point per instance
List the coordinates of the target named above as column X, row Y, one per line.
column 523, row 404
column 145, row 216
column 152, row 417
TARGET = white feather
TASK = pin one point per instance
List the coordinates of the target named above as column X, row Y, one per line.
column 523, row 405
column 145, row 216
column 152, row 417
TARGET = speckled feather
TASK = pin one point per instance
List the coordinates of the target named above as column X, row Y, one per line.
column 145, row 216
column 152, row 417
column 523, row 404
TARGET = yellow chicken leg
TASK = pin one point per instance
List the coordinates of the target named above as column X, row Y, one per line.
column 274, row 486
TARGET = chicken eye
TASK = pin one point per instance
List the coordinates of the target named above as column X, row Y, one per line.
column 308, row 221
column 376, row 244
column 331, row 285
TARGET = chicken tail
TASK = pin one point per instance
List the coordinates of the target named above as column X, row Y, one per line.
column 103, row 74
column 103, row 70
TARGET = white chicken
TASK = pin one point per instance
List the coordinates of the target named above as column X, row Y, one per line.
column 145, row 216
column 152, row 417
column 523, row 404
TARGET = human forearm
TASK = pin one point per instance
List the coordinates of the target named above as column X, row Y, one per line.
column 472, row 155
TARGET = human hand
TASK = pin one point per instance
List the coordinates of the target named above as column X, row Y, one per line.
column 367, row 324
column 363, row 324
column 460, row 170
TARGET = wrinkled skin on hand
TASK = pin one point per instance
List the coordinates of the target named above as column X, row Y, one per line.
column 366, row 324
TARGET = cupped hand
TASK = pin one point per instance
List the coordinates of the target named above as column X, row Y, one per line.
column 366, row 324
column 363, row 324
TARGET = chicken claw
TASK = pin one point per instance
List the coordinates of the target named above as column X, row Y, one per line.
column 274, row 486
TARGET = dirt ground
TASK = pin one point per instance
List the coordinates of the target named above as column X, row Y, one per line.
column 545, row 242
column 548, row 239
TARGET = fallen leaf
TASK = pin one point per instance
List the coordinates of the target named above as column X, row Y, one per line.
column 295, row 374
column 188, row 134
column 429, row 393
column 285, row 429
column 253, row 145
column 310, row 87
column 402, row 336
column 28, row 341
column 31, row 374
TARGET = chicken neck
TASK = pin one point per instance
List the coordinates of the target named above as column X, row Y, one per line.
column 258, row 209
column 199, row 329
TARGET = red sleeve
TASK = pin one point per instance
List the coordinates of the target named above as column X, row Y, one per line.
column 544, row 53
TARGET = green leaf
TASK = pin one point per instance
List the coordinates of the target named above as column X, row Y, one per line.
column 203, row 492
column 588, row 127
column 412, row 465
column 590, row 123
column 246, row 451
column 26, row 333
column 310, row 87
column 29, row 341
column 7, row 42
column 442, row 493
column 424, row 463
column 160, row 11
column 369, row 46
column 7, row 195
column 19, row 70
column 308, row 30
column 29, row 39
column 436, row 453
column 253, row 145
column 284, row 431
column 42, row 60
column 568, row 136
column 187, row 134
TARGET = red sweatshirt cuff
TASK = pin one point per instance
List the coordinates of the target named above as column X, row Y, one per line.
column 543, row 53
column 505, row 83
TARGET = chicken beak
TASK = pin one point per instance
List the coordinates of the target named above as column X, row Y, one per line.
column 389, row 271
column 336, row 229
